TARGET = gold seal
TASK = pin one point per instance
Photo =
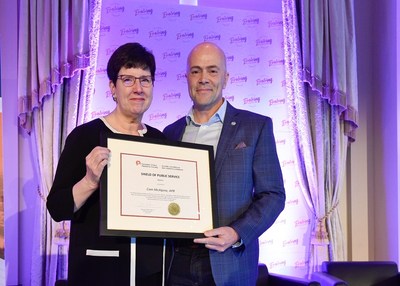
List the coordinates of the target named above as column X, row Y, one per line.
column 174, row 209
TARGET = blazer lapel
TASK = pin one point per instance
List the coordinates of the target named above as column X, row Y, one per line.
column 179, row 129
column 229, row 128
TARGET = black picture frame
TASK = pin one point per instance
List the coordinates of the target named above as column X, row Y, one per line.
column 157, row 188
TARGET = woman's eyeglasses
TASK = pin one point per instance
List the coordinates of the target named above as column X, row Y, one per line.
column 129, row 80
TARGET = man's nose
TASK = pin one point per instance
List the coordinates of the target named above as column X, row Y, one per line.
column 203, row 78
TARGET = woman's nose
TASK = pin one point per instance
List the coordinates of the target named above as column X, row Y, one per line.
column 137, row 85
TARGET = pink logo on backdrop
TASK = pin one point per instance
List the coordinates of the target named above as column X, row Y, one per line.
column 160, row 75
column 238, row 40
column 290, row 242
column 287, row 163
column 104, row 30
column 272, row 63
column 276, row 101
column 251, row 100
column 230, row 59
column 212, row 37
column 171, row 96
column 101, row 70
column 263, row 42
column 185, row 36
column 143, row 12
column 285, row 122
column 301, row 264
column 250, row 21
column 171, row 15
column 275, row 264
column 280, row 141
column 157, row 33
column 181, row 76
column 157, row 116
column 198, row 17
column 225, row 19
column 99, row 113
column 275, row 24
column 129, row 32
column 302, row 222
column 267, row 242
column 281, row 221
column 293, row 202
column 251, row 61
column 265, row 81
column 171, row 55
column 239, row 79
column 115, row 10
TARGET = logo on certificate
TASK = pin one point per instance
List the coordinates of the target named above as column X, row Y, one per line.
column 174, row 209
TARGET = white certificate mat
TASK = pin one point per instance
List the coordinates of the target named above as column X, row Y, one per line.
column 157, row 188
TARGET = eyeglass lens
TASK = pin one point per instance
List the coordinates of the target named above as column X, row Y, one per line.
column 129, row 80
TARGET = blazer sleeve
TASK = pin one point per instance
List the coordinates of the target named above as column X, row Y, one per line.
column 70, row 169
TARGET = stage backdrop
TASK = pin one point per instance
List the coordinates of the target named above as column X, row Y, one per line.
column 253, row 42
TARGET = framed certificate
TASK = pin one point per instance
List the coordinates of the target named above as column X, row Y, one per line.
column 157, row 188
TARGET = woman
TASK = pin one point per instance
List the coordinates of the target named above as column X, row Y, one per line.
column 95, row 259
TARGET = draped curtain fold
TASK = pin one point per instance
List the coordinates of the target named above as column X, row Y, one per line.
column 58, row 43
column 328, row 47
column 321, row 84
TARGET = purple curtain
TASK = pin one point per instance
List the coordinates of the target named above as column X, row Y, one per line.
column 58, row 43
column 321, row 84
column 329, row 55
column 54, row 44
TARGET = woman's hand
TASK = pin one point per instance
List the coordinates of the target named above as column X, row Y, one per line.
column 96, row 160
column 95, row 163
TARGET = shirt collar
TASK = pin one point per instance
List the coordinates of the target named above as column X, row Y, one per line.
column 219, row 115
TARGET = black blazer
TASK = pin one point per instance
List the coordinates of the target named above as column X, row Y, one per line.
column 86, row 269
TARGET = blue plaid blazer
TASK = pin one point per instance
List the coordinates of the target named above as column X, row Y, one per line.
column 249, row 186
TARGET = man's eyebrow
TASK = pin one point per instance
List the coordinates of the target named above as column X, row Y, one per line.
column 207, row 67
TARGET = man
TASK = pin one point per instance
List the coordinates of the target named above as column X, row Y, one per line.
column 249, row 183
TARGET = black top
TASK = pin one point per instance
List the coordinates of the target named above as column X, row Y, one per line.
column 85, row 269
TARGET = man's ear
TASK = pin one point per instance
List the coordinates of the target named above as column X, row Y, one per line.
column 226, row 78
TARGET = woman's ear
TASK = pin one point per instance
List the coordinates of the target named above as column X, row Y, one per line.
column 112, row 90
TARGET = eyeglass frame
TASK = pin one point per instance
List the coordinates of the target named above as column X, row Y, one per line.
column 149, row 77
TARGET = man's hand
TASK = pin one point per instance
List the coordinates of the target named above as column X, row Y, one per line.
column 219, row 239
